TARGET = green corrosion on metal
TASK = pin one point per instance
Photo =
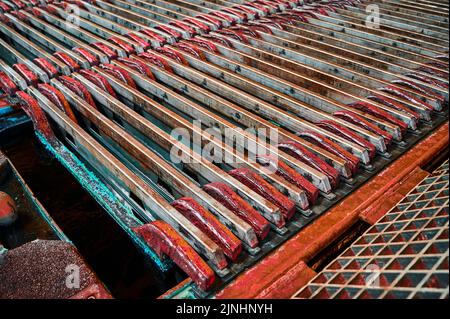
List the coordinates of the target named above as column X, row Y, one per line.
column 89, row 181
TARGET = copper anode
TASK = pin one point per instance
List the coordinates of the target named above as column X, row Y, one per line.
column 161, row 237
column 208, row 223
column 299, row 152
column 227, row 197
column 262, row 187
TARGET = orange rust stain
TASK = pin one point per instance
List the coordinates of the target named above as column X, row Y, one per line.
column 311, row 240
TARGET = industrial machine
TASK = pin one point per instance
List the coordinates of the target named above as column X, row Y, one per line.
column 238, row 142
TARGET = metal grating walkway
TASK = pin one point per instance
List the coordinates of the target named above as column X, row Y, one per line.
column 404, row 255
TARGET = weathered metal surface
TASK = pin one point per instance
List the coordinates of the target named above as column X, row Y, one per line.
column 148, row 196
column 314, row 238
column 261, row 69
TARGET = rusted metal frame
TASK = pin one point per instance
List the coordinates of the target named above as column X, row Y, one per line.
column 162, row 14
column 196, row 163
column 393, row 21
column 185, row 106
column 391, row 26
column 411, row 11
column 244, row 116
column 18, row 57
column 319, row 76
column 363, row 64
column 63, row 37
column 46, row 41
column 100, row 26
column 155, row 205
column 280, row 85
column 126, row 18
column 33, row 48
column 148, row 158
column 407, row 16
column 384, row 37
column 82, row 32
column 250, row 106
column 382, row 51
column 13, row 75
column 278, row 98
